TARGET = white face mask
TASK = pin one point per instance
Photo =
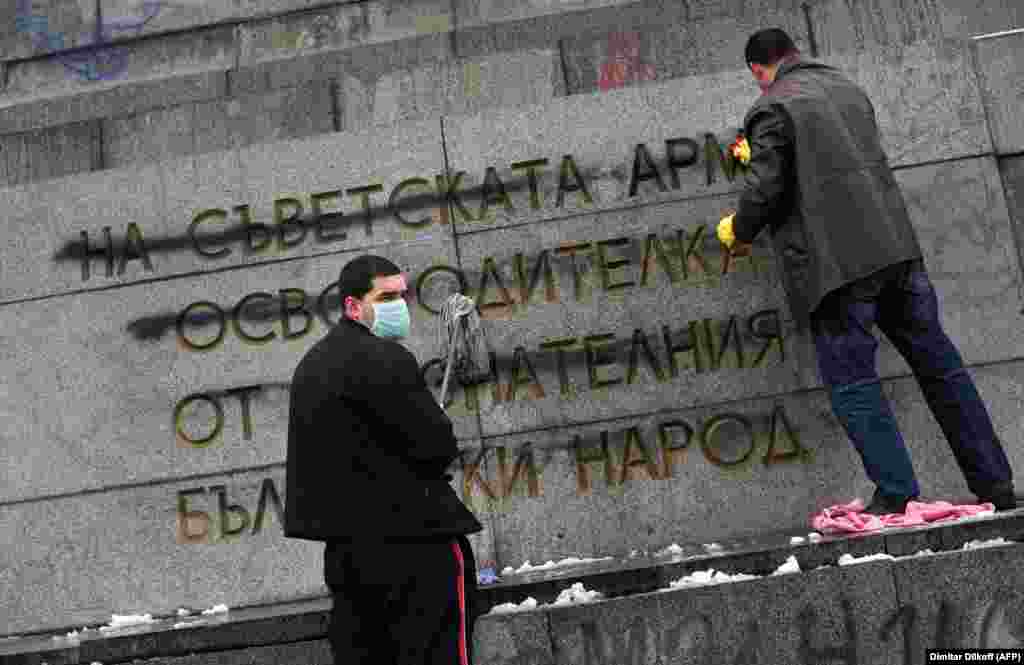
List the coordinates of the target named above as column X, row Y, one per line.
column 391, row 319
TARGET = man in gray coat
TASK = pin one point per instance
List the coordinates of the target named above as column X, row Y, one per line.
column 820, row 180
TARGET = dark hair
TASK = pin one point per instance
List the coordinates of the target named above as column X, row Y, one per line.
column 767, row 47
column 357, row 276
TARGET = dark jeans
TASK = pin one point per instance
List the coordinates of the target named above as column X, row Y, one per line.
column 902, row 302
column 398, row 604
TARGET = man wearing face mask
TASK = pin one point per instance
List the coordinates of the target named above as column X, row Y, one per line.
column 820, row 181
column 368, row 451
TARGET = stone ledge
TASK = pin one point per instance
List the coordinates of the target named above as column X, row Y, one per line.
column 306, row 620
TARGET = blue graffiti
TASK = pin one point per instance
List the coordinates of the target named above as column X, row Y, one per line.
column 94, row 61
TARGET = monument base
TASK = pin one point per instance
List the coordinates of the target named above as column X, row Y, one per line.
column 967, row 592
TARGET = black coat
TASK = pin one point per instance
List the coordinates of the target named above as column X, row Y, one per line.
column 821, row 181
column 368, row 446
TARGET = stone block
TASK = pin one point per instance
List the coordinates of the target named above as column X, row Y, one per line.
column 959, row 211
column 49, row 153
column 341, row 26
column 309, row 653
column 190, row 53
column 592, row 141
column 134, row 363
column 1011, row 170
column 643, row 483
column 926, row 99
column 971, row 18
column 24, row 114
column 961, row 600
column 153, row 136
column 367, row 38
column 867, row 25
column 76, row 560
column 507, row 639
column 821, row 615
column 428, row 91
column 45, row 252
column 204, row 127
column 599, row 296
column 126, row 17
column 1000, row 66
column 33, row 28
column 700, row 45
column 476, row 13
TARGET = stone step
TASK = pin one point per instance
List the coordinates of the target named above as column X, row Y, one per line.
column 976, row 594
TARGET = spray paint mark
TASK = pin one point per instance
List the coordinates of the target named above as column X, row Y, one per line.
column 95, row 60
column 623, row 64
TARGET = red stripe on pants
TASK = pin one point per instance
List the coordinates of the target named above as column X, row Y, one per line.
column 460, row 592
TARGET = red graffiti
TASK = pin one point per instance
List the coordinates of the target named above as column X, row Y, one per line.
column 623, row 64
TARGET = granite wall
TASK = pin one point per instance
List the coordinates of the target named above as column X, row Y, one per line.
column 182, row 182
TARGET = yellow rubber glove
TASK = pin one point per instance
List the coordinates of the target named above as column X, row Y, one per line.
column 725, row 233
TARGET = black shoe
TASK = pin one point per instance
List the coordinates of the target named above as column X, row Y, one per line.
column 886, row 504
column 1000, row 495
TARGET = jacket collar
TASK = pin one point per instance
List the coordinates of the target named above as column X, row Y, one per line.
column 796, row 61
column 347, row 325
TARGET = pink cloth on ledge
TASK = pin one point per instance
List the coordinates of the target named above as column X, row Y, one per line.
column 851, row 518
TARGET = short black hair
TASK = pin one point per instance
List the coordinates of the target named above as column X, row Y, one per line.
column 767, row 47
column 357, row 276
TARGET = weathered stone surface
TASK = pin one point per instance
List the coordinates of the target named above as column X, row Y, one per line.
column 507, row 639
column 473, row 13
column 600, row 134
column 30, row 28
column 833, row 613
column 76, row 560
column 487, row 27
column 307, row 653
column 960, row 213
column 359, row 39
column 926, row 99
column 587, row 299
column 698, row 46
column 428, row 91
column 49, row 153
column 190, row 14
column 1000, row 65
column 199, row 128
column 1011, row 170
column 44, row 253
column 866, row 25
column 189, row 53
column 120, row 357
column 26, row 114
column 963, row 600
column 581, row 501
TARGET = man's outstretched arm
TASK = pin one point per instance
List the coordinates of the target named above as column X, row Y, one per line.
column 770, row 176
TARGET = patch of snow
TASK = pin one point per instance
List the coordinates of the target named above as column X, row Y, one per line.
column 995, row 542
column 550, row 565
column 791, row 565
column 182, row 612
column 529, row 604
column 188, row 624
column 713, row 547
column 118, row 621
column 708, row 577
column 814, row 537
column 575, row 594
column 674, row 550
column 796, row 540
column 925, row 552
column 216, row 609
column 849, row 559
